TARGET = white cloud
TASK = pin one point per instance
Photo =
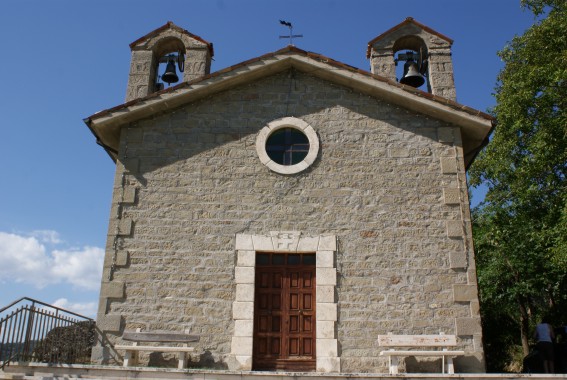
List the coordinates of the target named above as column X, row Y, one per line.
column 81, row 268
column 47, row 236
column 88, row 309
column 23, row 259
column 26, row 260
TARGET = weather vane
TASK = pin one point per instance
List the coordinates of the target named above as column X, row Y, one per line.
column 291, row 35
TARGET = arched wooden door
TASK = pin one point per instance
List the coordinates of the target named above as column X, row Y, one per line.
column 284, row 312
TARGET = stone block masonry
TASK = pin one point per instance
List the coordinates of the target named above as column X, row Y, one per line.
column 388, row 183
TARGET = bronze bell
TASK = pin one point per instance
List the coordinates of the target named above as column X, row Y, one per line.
column 170, row 75
column 411, row 76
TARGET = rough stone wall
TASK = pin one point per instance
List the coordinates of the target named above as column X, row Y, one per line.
column 382, row 63
column 441, row 73
column 389, row 183
column 142, row 77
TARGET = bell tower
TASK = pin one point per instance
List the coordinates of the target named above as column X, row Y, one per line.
column 168, row 44
column 428, row 55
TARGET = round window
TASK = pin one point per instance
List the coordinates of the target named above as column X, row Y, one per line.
column 288, row 145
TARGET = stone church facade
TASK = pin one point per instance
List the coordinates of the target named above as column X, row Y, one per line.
column 295, row 263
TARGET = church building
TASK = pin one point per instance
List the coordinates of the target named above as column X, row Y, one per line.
column 291, row 208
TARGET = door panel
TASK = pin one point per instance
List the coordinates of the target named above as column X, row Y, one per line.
column 284, row 315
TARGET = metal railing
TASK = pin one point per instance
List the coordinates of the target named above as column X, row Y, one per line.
column 33, row 331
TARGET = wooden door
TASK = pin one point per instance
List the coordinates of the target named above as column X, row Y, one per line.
column 284, row 312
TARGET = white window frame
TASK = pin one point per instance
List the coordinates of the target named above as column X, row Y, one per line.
column 287, row 122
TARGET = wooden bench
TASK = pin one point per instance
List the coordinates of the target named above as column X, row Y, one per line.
column 131, row 356
column 434, row 341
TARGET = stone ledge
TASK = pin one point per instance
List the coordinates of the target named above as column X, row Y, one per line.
column 445, row 135
column 454, row 229
column 448, row 165
column 109, row 322
column 131, row 165
column 246, row 258
column 464, row 293
column 245, row 292
column 125, row 227
column 244, row 242
column 325, row 294
column 244, row 275
column 458, row 260
column 452, row 196
column 242, row 310
column 243, row 328
column 116, row 372
column 326, row 276
column 326, row 311
column 113, row 289
column 121, row 258
column 326, row 329
column 241, row 346
column 327, row 347
column 325, row 259
column 328, row 364
column 468, row 326
column 327, row 243
column 129, row 195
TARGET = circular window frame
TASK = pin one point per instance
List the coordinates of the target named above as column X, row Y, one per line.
column 287, row 122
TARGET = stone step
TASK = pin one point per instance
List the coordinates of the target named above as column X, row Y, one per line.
column 41, row 371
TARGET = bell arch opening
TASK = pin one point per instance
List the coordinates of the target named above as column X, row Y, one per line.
column 411, row 58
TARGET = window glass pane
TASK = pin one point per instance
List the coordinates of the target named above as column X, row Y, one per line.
column 262, row 259
column 309, row 259
column 298, row 156
column 294, row 259
column 278, row 259
column 299, row 138
column 283, row 146
column 277, row 138
column 276, row 155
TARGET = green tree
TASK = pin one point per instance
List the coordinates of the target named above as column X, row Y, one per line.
column 521, row 227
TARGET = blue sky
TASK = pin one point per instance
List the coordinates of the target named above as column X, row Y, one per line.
column 64, row 60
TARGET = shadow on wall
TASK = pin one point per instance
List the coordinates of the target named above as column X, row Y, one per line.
column 205, row 361
column 466, row 364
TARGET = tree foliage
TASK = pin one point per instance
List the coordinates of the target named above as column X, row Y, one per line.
column 521, row 227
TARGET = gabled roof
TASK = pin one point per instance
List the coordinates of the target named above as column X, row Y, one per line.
column 171, row 25
column 475, row 125
column 406, row 22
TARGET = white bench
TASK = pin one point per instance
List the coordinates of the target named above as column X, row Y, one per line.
column 131, row 356
column 421, row 341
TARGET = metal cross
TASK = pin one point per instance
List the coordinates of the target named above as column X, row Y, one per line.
column 291, row 35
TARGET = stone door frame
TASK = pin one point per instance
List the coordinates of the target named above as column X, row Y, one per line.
column 325, row 247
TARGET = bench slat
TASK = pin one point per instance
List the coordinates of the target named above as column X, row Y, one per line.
column 155, row 348
column 159, row 337
column 417, row 340
column 421, row 353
